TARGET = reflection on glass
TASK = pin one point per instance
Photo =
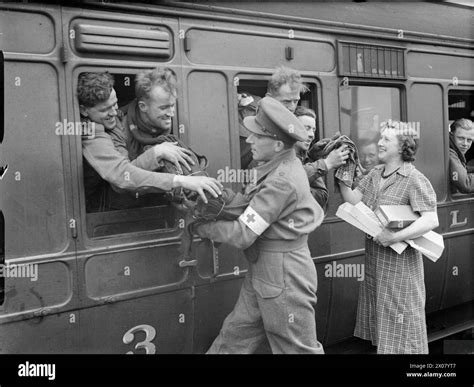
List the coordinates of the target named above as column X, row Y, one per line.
column 363, row 108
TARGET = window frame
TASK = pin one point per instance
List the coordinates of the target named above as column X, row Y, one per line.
column 455, row 196
column 90, row 241
column 375, row 83
column 315, row 94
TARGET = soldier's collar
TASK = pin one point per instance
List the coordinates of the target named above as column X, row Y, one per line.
column 264, row 169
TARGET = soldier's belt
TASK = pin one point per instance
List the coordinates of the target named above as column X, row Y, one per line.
column 281, row 245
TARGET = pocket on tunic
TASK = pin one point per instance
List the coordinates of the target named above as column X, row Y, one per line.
column 268, row 275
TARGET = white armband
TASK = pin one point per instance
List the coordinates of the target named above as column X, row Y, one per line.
column 254, row 221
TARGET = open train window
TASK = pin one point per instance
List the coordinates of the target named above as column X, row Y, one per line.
column 110, row 212
column 461, row 105
column 363, row 108
column 250, row 91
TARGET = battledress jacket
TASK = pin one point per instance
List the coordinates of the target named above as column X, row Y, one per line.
column 107, row 162
column 281, row 207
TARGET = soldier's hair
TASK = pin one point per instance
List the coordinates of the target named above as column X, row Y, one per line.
column 366, row 142
column 303, row 111
column 160, row 76
column 462, row 123
column 94, row 88
column 284, row 75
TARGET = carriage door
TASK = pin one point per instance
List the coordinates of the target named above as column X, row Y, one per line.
column 137, row 294
column 208, row 121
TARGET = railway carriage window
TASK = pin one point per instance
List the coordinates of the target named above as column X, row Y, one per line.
column 363, row 108
column 112, row 211
column 249, row 93
column 461, row 105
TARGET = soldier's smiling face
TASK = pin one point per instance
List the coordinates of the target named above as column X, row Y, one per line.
column 463, row 139
column 159, row 108
column 309, row 124
column 103, row 113
column 263, row 148
column 369, row 156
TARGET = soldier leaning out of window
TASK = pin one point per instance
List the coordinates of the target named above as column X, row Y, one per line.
column 318, row 189
column 106, row 160
column 285, row 86
column 460, row 140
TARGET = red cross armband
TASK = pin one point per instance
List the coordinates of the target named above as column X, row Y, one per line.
column 253, row 221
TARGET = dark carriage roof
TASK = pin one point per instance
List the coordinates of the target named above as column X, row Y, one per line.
column 446, row 18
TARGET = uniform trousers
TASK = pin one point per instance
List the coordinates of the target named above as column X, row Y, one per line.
column 277, row 300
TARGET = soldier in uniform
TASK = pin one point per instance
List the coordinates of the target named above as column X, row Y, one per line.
column 316, row 183
column 111, row 178
column 278, row 294
column 285, row 86
column 460, row 141
column 150, row 114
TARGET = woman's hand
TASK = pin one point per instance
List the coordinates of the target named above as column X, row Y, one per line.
column 385, row 238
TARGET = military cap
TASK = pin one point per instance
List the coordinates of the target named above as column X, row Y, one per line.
column 274, row 120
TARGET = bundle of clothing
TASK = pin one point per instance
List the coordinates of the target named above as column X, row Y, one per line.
column 228, row 206
column 347, row 172
column 180, row 195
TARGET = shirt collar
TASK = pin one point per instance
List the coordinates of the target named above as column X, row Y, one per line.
column 404, row 170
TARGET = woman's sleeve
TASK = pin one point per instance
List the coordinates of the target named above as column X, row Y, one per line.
column 421, row 193
column 365, row 183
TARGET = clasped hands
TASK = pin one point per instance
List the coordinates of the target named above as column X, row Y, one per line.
column 385, row 238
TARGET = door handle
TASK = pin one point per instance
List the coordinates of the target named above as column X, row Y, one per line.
column 185, row 263
column 215, row 260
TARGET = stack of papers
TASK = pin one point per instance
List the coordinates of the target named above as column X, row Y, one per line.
column 396, row 216
column 430, row 244
column 364, row 219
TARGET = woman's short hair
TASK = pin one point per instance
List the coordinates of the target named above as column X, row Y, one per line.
column 94, row 88
column 303, row 111
column 409, row 145
column 160, row 76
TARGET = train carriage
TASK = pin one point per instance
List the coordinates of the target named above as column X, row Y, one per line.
column 115, row 282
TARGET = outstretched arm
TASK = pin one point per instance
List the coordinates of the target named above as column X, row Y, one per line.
column 263, row 210
column 348, row 194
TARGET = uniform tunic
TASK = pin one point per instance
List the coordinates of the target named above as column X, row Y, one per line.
column 391, row 307
column 461, row 177
column 106, row 161
column 278, row 295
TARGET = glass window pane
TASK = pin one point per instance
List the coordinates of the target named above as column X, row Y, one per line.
column 250, row 91
column 109, row 212
column 461, row 105
column 363, row 108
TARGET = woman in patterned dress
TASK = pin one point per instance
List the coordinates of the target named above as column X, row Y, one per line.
column 391, row 308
